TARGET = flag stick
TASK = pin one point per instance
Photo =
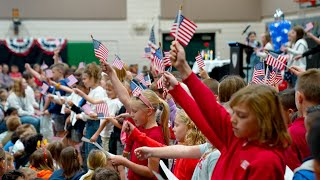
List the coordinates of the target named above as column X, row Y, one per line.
column 91, row 36
column 178, row 21
column 265, row 76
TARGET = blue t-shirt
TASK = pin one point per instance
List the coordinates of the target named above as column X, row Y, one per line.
column 56, row 108
column 57, row 175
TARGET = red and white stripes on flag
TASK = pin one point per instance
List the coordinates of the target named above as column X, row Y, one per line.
column 166, row 59
column 200, row 61
column 278, row 63
column 118, row 63
column 100, row 50
column 102, row 110
column 44, row 88
column 140, row 78
column 71, row 80
column 186, row 30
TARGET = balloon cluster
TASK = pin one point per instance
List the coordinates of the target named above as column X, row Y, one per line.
column 279, row 30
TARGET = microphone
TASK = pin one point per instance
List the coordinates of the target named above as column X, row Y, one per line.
column 245, row 30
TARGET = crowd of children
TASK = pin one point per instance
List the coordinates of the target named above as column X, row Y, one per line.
column 100, row 122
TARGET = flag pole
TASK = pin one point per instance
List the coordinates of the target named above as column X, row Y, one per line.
column 178, row 21
column 265, row 76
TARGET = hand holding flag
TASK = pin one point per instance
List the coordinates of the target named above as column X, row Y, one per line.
column 309, row 27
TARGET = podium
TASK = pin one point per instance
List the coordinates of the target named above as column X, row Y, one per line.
column 236, row 58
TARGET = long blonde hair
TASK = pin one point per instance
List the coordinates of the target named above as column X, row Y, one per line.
column 265, row 103
column 17, row 88
column 193, row 135
column 157, row 103
column 96, row 159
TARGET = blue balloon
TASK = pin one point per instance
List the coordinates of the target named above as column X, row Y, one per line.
column 279, row 33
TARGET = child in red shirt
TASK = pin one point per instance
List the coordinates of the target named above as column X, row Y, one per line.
column 307, row 95
column 252, row 140
column 15, row 74
column 142, row 109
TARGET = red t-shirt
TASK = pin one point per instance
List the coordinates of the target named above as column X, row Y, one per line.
column 183, row 168
column 15, row 75
column 239, row 159
column 154, row 133
column 299, row 149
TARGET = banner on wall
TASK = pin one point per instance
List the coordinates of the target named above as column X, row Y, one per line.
column 49, row 45
column 22, row 46
column 19, row 46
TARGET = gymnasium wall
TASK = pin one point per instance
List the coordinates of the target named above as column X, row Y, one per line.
column 129, row 43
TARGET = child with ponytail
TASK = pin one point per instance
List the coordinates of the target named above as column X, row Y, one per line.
column 142, row 109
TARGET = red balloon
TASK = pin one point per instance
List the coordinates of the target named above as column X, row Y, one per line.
column 283, row 85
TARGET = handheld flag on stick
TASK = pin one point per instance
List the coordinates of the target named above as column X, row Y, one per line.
column 135, row 88
column 117, row 62
column 157, row 60
column 44, row 66
column 44, row 88
column 278, row 63
column 102, row 110
column 100, row 50
column 84, row 139
column 309, row 27
column 71, row 80
column 258, row 74
column 87, row 109
column 152, row 41
column 183, row 30
column 49, row 73
column 199, row 61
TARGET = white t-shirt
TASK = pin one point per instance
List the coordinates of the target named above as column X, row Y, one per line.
column 114, row 106
column 206, row 163
column 96, row 93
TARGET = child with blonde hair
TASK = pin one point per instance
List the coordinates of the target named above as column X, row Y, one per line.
column 186, row 133
column 143, row 109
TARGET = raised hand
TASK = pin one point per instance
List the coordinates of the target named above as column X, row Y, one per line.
column 106, row 68
column 296, row 70
column 178, row 59
column 169, row 80
column 143, row 153
column 128, row 127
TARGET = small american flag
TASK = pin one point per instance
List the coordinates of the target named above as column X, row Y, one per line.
column 258, row 74
column 118, row 63
column 140, row 78
column 147, row 53
column 135, row 88
column 100, row 50
column 81, row 65
column 274, row 77
column 152, row 41
column 278, row 63
column 160, row 83
column 44, row 66
column 87, row 108
column 49, row 73
column 44, row 88
column 186, row 30
column 166, row 58
column 199, row 61
column 147, row 80
column 157, row 60
column 71, row 80
column 102, row 110
column 309, row 26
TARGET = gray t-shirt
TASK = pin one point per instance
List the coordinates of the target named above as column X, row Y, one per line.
column 206, row 164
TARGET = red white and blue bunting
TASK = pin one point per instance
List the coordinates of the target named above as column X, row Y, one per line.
column 19, row 46
column 49, row 45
